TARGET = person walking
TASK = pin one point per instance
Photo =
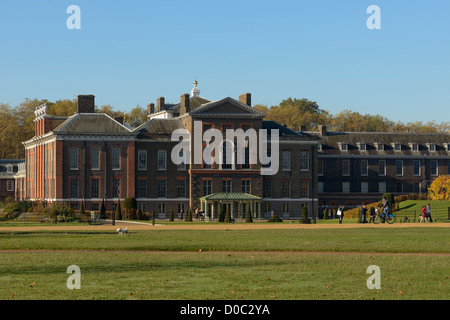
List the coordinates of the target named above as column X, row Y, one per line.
column 428, row 211
column 363, row 213
column 340, row 213
column 372, row 214
column 423, row 215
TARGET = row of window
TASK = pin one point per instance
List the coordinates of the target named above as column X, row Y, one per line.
column 364, row 187
column 380, row 146
column 142, row 188
column 399, row 166
column 162, row 160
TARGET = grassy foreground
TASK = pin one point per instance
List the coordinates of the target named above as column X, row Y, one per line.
column 227, row 264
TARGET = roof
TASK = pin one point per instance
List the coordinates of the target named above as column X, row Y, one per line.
column 332, row 140
column 160, row 126
column 91, row 123
column 230, row 196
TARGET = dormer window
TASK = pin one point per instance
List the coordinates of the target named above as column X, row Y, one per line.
column 414, row 146
column 362, row 146
column 320, row 147
column 380, row 146
column 431, row 147
column 397, row 146
column 343, row 146
column 447, row 146
column 9, row 168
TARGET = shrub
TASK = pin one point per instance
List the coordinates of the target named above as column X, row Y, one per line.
column 129, row 203
column 274, row 218
column 304, row 218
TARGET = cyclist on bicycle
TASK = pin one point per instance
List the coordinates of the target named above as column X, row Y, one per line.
column 385, row 207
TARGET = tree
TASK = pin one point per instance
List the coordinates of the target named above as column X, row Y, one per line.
column 248, row 217
column 440, row 188
column 118, row 214
column 171, row 215
column 221, row 215
column 103, row 210
column 228, row 214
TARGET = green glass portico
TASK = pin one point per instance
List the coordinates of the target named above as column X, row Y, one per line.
column 236, row 201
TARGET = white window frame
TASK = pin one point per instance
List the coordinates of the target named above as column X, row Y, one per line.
column 142, row 166
column 115, row 158
column 162, row 160
column 346, row 187
column 420, row 168
column 95, row 166
column 382, row 187
column 10, row 185
column 435, row 174
column 364, row 187
column 397, row 162
column 348, row 173
column 304, row 161
column 384, row 168
column 366, row 167
column 73, row 158
column 286, row 160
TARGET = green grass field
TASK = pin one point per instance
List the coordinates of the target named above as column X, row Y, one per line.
column 227, row 264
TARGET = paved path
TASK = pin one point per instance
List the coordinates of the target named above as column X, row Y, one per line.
column 215, row 226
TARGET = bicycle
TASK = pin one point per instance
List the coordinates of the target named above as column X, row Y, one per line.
column 384, row 216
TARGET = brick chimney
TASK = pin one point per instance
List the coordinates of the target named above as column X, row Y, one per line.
column 246, row 98
column 150, row 108
column 184, row 104
column 86, row 103
column 323, row 130
column 160, row 104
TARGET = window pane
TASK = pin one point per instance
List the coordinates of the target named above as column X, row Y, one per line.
column 73, row 158
column 345, row 167
column 181, row 188
column 416, row 167
column 95, row 161
column 116, row 158
column 286, row 160
column 116, row 188
column 162, row 163
column 94, row 188
column 304, row 161
column 142, row 160
column 162, row 188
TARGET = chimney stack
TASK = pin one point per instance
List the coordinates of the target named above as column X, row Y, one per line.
column 302, row 128
column 246, row 98
column 323, row 130
column 160, row 104
column 86, row 103
column 150, row 108
column 184, row 104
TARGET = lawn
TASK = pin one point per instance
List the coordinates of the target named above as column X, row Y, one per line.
column 227, row 264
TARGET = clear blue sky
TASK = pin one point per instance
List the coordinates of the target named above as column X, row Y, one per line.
column 131, row 52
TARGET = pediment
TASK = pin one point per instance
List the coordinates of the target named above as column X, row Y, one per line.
column 227, row 107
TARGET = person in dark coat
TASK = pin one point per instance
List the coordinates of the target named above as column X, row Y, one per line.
column 363, row 213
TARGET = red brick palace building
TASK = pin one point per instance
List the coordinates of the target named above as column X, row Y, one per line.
column 90, row 156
